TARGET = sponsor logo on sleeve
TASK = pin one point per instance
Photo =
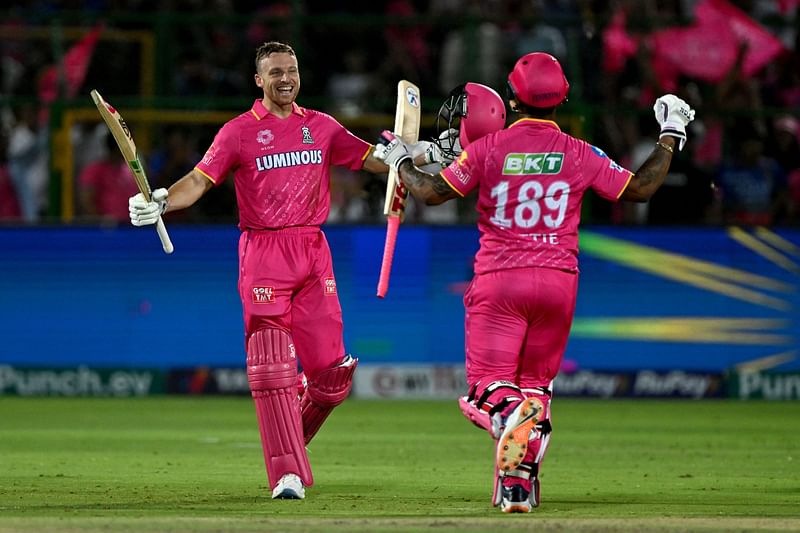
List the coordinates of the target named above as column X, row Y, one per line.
column 598, row 151
column 613, row 166
column 211, row 153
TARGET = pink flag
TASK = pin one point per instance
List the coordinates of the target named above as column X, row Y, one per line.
column 618, row 45
column 704, row 52
column 762, row 48
column 707, row 50
column 786, row 5
column 75, row 64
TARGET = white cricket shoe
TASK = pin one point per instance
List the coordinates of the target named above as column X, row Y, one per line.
column 519, row 426
column 289, row 487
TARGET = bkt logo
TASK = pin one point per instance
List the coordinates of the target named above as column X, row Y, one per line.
column 530, row 164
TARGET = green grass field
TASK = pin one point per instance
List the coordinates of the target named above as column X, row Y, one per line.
column 195, row 464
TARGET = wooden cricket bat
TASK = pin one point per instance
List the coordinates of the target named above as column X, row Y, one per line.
column 406, row 126
column 122, row 134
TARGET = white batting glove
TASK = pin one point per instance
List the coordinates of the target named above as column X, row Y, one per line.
column 427, row 152
column 673, row 115
column 144, row 213
column 391, row 149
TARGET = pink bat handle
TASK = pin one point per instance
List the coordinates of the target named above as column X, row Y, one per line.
column 392, row 225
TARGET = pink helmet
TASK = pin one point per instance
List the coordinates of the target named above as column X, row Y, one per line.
column 484, row 113
column 479, row 110
column 538, row 81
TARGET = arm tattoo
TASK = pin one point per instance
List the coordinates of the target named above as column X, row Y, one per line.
column 425, row 186
column 649, row 177
column 655, row 168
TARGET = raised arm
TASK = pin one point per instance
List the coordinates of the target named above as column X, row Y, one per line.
column 646, row 181
column 673, row 115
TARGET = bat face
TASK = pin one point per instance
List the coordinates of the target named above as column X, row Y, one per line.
column 406, row 126
column 407, row 115
column 122, row 135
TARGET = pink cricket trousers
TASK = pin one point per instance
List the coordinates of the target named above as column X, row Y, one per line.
column 517, row 324
column 286, row 282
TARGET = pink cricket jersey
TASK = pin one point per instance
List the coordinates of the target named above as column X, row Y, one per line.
column 532, row 178
column 281, row 166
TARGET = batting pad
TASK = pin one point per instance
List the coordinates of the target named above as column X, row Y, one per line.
column 325, row 391
column 272, row 373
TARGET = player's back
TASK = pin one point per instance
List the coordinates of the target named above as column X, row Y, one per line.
column 532, row 182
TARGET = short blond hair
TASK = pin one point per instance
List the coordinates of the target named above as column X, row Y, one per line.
column 272, row 47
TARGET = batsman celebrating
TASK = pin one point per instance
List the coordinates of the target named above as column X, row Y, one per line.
column 280, row 154
column 530, row 179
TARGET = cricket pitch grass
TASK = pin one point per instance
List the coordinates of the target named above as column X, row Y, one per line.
column 195, row 465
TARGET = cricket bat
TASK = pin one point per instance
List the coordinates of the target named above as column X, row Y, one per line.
column 122, row 134
column 406, row 126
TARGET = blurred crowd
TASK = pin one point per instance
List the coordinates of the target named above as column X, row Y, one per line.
column 740, row 166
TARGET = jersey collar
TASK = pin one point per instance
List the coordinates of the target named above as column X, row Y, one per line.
column 259, row 111
column 536, row 122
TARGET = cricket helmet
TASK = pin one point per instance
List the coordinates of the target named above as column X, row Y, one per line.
column 538, row 81
column 471, row 111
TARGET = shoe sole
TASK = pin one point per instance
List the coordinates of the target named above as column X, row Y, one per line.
column 517, row 508
column 287, row 494
column 513, row 443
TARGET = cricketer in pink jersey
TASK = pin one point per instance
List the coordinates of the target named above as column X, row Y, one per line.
column 279, row 154
column 530, row 180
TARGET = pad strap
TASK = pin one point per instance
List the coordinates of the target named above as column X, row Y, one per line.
column 482, row 406
column 272, row 374
column 323, row 393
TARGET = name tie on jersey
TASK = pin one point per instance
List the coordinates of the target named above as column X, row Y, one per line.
column 520, row 164
column 289, row 159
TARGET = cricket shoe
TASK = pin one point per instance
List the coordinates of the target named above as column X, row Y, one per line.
column 518, row 495
column 518, row 429
column 289, row 487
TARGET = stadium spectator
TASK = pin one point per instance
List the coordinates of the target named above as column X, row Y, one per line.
column 28, row 163
column 533, row 33
column 752, row 188
column 477, row 50
column 9, row 208
column 280, row 154
column 530, row 179
column 105, row 185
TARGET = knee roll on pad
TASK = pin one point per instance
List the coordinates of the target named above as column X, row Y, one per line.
column 272, row 374
column 325, row 391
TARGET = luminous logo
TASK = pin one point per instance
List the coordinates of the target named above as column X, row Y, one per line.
column 289, row 159
column 517, row 164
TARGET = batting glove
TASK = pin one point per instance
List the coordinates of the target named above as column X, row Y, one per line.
column 673, row 115
column 144, row 213
column 391, row 149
